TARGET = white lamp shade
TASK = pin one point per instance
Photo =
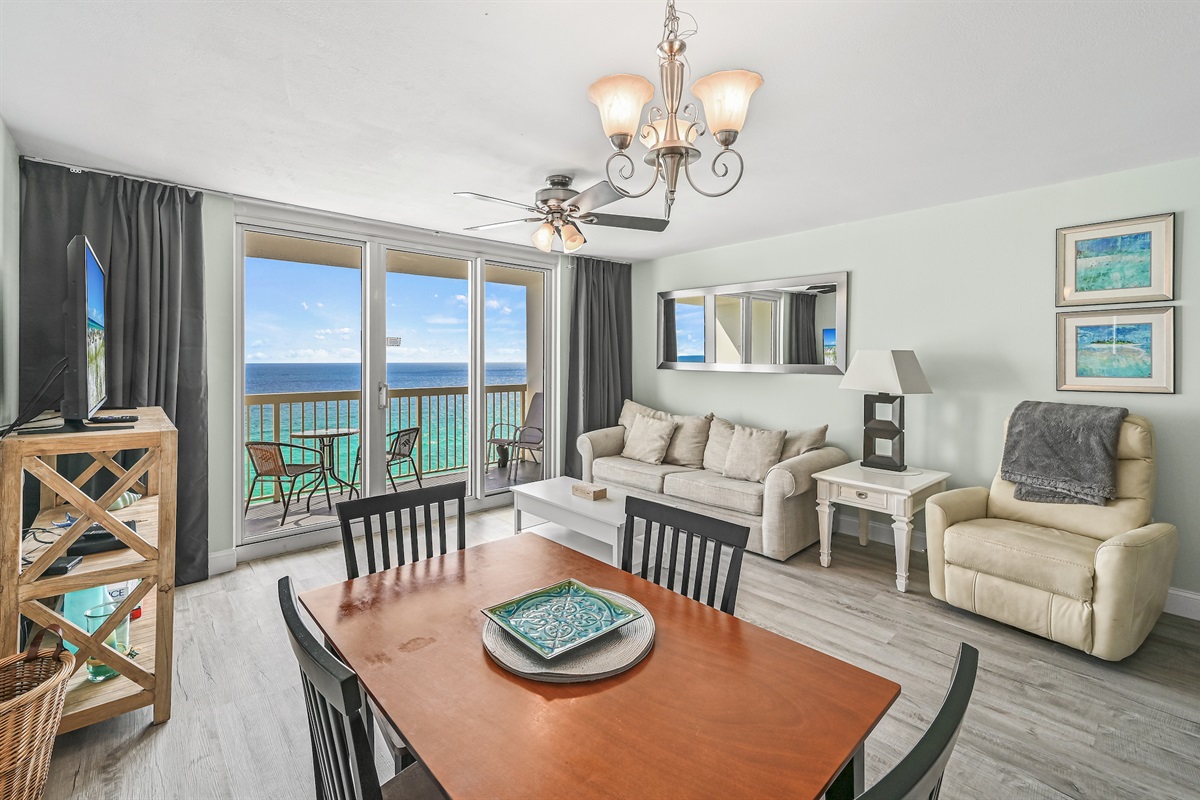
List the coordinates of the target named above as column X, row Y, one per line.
column 543, row 237
column 572, row 238
column 620, row 99
column 726, row 98
column 890, row 371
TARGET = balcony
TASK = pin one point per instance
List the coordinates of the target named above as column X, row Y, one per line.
column 443, row 449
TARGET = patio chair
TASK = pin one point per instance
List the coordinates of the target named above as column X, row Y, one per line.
column 527, row 437
column 269, row 464
column 401, row 444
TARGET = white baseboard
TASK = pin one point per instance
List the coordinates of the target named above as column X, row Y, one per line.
column 877, row 531
column 1183, row 603
column 222, row 561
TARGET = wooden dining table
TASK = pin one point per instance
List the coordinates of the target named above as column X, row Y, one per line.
column 720, row 708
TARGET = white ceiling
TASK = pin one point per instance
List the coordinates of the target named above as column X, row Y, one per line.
column 383, row 109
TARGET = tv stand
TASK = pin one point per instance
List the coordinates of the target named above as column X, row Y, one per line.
column 74, row 426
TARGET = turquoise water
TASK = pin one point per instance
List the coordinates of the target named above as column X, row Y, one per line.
column 442, row 415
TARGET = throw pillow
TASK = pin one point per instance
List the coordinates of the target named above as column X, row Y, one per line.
column 629, row 411
column 797, row 443
column 720, row 434
column 648, row 439
column 689, row 441
column 752, row 452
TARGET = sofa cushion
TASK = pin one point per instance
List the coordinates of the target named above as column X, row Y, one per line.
column 716, row 451
column 711, row 488
column 635, row 474
column 797, row 443
column 648, row 439
column 752, row 453
column 688, row 441
column 1044, row 558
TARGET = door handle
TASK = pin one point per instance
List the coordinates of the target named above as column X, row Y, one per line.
column 383, row 395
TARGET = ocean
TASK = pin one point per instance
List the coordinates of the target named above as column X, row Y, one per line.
column 272, row 378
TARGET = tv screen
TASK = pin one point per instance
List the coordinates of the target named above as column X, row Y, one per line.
column 97, row 372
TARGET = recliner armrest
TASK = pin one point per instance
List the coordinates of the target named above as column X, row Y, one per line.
column 1133, row 574
column 598, row 444
column 793, row 476
column 941, row 511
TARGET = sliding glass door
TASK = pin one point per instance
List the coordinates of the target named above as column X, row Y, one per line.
column 302, row 322
column 372, row 367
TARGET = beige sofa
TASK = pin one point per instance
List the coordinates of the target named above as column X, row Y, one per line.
column 1092, row 577
column 780, row 510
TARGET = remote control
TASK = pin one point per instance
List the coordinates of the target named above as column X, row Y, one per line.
column 115, row 418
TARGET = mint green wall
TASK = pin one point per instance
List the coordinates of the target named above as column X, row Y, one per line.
column 970, row 287
column 10, row 253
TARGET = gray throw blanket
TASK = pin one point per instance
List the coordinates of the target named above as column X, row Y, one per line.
column 1063, row 453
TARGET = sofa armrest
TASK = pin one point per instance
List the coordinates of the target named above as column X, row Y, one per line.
column 794, row 476
column 941, row 511
column 1133, row 574
column 598, row 444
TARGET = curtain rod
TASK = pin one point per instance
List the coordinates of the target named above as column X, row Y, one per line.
column 77, row 168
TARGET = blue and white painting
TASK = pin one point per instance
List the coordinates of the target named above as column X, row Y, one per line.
column 1114, row 351
column 1113, row 262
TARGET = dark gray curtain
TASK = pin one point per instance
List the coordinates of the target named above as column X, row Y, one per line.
column 670, row 337
column 600, row 368
column 149, row 237
column 800, row 344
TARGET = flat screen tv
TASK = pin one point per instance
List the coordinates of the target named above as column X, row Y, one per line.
column 85, row 381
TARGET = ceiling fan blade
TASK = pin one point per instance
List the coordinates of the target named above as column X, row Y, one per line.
column 595, row 196
column 512, row 203
column 633, row 223
column 501, row 224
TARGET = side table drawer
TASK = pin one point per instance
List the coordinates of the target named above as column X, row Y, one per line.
column 863, row 498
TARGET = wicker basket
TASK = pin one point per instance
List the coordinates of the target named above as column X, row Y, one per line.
column 33, row 686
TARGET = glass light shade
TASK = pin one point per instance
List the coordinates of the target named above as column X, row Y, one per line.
column 621, row 99
column 726, row 98
column 660, row 125
column 543, row 237
column 572, row 238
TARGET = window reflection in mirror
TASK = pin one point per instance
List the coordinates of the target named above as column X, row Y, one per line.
column 791, row 325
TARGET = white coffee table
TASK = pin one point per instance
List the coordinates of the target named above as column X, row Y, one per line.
column 570, row 520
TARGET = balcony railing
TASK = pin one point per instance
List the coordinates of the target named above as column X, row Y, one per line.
column 442, row 414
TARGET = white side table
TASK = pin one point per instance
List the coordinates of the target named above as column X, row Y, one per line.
column 897, row 493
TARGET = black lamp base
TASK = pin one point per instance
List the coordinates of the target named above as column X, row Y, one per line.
column 877, row 430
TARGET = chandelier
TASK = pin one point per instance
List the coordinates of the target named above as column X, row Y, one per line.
column 669, row 134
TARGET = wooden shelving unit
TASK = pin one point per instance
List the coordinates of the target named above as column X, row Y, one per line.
column 145, row 679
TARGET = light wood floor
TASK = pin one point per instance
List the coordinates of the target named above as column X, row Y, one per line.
column 1045, row 721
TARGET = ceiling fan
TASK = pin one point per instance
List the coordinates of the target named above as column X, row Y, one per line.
column 561, row 210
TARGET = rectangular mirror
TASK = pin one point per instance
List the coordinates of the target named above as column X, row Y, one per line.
column 785, row 325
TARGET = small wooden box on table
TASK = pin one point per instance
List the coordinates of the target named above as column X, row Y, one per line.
column 149, row 558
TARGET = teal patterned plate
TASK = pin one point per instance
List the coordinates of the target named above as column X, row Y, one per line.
column 555, row 619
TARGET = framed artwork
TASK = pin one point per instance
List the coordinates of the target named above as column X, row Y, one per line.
column 1126, row 261
column 1121, row 350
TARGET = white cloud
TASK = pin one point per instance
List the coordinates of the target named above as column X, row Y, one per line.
column 493, row 303
column 341, row 354
column 320, row 305
column 304, row 305
column 444, row 320
column 506, row 310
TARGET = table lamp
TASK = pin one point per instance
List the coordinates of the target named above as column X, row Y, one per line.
column 888, row 375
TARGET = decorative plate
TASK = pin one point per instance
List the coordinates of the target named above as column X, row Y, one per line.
column 558, row 618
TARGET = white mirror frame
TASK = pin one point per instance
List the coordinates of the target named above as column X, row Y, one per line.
column 841, row 301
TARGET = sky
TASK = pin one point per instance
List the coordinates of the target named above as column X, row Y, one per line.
column 299, row 313
column 95, row 288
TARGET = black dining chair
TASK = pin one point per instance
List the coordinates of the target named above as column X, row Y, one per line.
column 919, row 774
column 343, row 762
column 388, row 513
column 703, row 541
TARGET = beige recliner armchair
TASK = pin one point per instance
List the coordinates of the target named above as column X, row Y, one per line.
column 1092, row 577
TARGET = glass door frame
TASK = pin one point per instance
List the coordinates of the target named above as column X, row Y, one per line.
column 376, row 238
